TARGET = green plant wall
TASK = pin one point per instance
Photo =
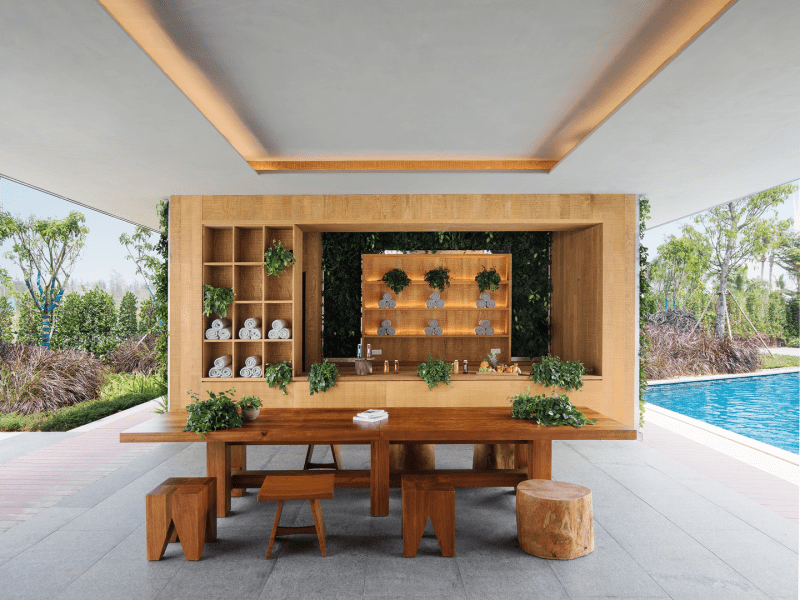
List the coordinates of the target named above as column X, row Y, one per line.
column 530, row 264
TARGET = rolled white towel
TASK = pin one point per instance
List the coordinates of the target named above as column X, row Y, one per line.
column 252, row 323
column 381, row 330
column 220, row 323
column 214, row 372
column 280, row 323
column 255, row 334
column 437, row 331
column 391, row 304
column 439, row 303
column 435, row 296
column 222, row 361
column 431, row 304
column 433, row 323
column 382, row 303
column 224, row 333
column 490, row 304
column 480, row 331
column 490, row 331
column 245, row 372
column 484, row 323
column 226, row 372
column 485, row 296
column 252, row 361
column 390, row 331
column 429, row 331
column 481, row 304
column 386, row 323
column 244, row 333
column 285, row 333
column 256, row 371
column 274, row 334
column 387, row 296
column 211, row 334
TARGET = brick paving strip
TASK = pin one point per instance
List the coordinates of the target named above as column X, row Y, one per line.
column 33, row 482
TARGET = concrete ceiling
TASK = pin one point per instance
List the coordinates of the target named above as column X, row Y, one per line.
column 88, row 113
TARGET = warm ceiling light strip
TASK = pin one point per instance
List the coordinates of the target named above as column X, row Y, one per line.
column 264, row 166
column 138, row 20
column 673, row 27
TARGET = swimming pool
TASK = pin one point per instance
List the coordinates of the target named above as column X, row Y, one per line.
column 763, row 408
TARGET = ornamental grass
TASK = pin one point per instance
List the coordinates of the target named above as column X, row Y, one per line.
column 35, row 379
column 136, row 355
column 674, row 353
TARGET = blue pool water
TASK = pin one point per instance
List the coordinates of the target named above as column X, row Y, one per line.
column 763, row 408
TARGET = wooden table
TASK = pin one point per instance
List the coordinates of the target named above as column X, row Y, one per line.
column 405, row 425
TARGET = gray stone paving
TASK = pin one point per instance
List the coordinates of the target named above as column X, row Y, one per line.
column 661, row 531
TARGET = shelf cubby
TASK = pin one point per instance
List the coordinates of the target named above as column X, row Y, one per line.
column 248, row 283
column 248, row 244
column 212, row 351
column 218, row 245
column 279, row 287
column 244, row 348
column 218, row 276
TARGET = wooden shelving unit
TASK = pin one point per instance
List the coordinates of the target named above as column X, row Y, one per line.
column 234, row 257
column 458, row 318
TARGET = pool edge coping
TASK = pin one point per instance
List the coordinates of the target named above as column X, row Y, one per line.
column 759, row 373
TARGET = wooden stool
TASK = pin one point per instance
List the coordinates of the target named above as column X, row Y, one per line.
column 181, row 509
column 298, row 487
column 424, row 496
column 336, row 464
column 554, row 519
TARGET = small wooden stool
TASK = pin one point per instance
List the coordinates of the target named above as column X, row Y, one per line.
column 298, row 487
column 181, row 509
column 554, row 519
column 426, row 495
column 336, row 464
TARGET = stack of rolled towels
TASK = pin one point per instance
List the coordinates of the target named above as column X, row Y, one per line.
column 222, row 367
column 433, row 328
column 280, row 330
column 251, row 329
column 387, row 302
column 220, row 330
column 484, row 328
column 252, row 367
column 485, row 301
column 386, row 328
column 435, row 301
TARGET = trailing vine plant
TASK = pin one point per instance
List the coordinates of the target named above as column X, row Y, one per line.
column 434, row 372
column 644, row 310
column 217, row 300
column 488, row 280
column 277, row 258
column 438, row 278
column 555, row 373
column 396, row 279
column 547, row 410
column 279, row 375
column 322, row 376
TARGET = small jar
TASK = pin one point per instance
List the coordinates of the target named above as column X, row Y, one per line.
column 358, row 354
column 465, row 367
column 455, row 366
column 386, row 367
column 369, row 352
column 396, row 366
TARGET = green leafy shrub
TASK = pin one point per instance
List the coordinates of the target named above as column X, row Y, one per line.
column 434, row 372
column 547, row 410
column 396, row 279
column 218, row 412
column 6, row 320
column 279, row 375
column 322, row 376
column 488, row 280
column 277, row 258
column 217, row 300
column 29, row 323
column 126, row 320
column 86, row 322
column 438, row 278
column 555, row 373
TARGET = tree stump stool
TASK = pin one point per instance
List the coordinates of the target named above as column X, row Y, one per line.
column 427, row 496
column 336, row 464
column 489, row 457
column 554, row 519
column 181, row 509
column 412, row 458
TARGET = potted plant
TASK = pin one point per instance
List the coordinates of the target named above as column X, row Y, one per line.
column 555, row 373
column 279, row 375
column 488, row 280
column 396, row 279
column 250, row 406
column 218, row 412
column 322, row 376
column 277, row 258
column 438, row 278
column 217, row 300
column 434, row 372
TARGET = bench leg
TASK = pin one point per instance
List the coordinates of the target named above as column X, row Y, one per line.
column 413, row 524
column 275, row 527
column 319, row 524
column 441, row 505
column 160, row 527
column 238, row 463
column 190, row 512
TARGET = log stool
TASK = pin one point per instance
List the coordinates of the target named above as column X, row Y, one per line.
column 181, row 509
column 554, row 519
column 427, row 495
column 298, row 487
column 336, row 464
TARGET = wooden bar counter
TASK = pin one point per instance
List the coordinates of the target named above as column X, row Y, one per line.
column 452, row 425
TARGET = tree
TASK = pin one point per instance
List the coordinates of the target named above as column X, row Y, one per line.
column 787, row 254
column 48, row 249
column 29, row 322
column 87, row 322
column 126, row 321
column 6, row 320
column 143, row 254
column 735, row 231
column 680, row 265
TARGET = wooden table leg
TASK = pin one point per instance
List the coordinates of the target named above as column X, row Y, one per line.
column 218, row 464
column 238, row 463
column 379, row 478
column 540, row 459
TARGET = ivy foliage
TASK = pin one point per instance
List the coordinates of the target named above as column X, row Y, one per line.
column 547, row 410
column 645, row 308
column 488, row 280
column 396, row 279
column 218, row 412
column 217, row 300
column 322, row 376
column 530, row 301
column 555, row 373
column 434, row 372
column 438, row 278
column 279, row 375
column 277, row 258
